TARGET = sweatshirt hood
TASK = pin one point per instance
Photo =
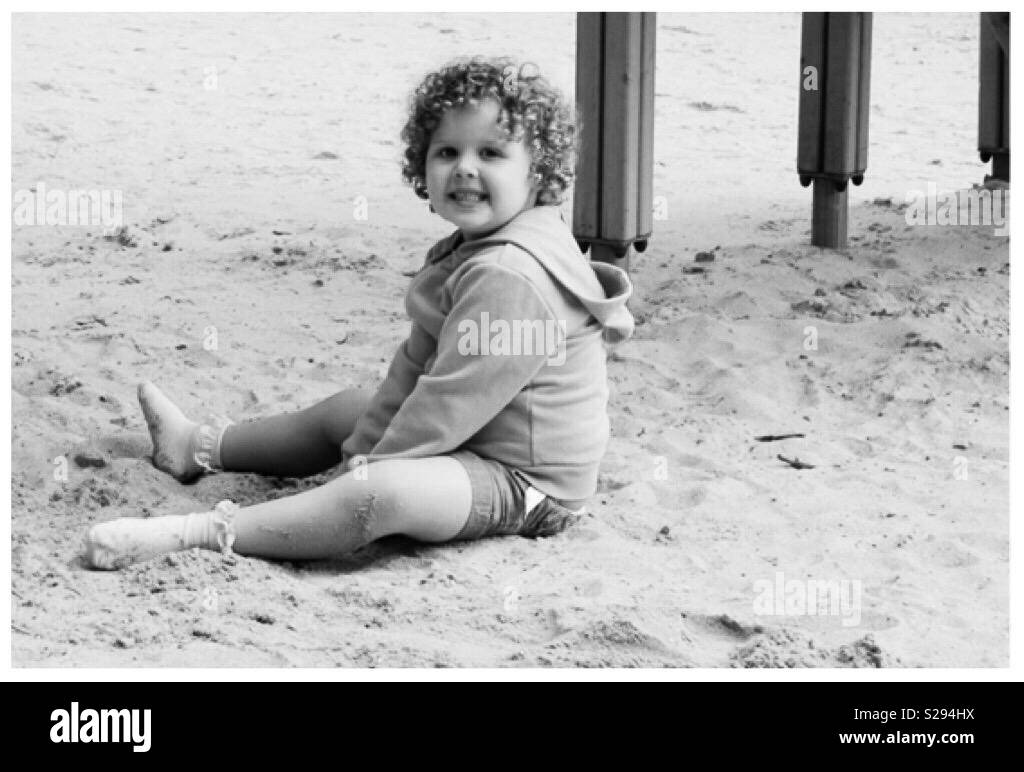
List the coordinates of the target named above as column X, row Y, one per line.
column 601, row 288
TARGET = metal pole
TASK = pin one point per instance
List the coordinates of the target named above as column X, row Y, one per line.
column 832, row 147
column 994, row 93
column 612, row 210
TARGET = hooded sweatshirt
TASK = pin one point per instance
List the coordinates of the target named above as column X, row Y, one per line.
column 505, row 357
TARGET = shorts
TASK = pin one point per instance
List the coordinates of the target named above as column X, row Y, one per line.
column 500, row 502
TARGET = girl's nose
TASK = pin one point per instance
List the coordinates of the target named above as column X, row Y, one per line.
column 465, row 168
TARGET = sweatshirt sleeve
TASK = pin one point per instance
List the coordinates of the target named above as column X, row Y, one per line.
column 405, row 369
column 469, row 384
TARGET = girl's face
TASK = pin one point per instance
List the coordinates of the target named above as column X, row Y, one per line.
column 477, row 179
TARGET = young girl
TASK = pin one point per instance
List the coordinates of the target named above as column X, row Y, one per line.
column 492, row 418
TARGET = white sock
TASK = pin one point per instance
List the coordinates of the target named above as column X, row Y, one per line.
column 118, row 543
column 182, row 448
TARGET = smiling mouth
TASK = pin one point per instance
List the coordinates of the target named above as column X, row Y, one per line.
column 468, row 196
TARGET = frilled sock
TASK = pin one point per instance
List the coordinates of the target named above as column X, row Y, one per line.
column 118, row 543
column 182, row 448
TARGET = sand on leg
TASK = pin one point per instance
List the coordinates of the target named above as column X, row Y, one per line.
column 428, row 499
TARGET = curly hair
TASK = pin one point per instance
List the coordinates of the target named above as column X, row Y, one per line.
column 528, row 108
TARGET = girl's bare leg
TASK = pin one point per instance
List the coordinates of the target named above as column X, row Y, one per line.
column 291, row 445
column 428, row 499
column 294, row 444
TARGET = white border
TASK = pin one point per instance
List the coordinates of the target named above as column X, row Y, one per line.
column 1014, row 673
column 469, row 7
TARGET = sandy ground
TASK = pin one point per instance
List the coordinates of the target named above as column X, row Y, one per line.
column 241, row 204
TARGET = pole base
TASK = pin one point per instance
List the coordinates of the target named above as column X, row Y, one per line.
column 1001, row 166
column 829, row 215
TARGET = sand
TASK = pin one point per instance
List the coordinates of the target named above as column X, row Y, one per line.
column 247, row 284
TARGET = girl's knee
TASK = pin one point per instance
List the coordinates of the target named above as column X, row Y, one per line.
column 374, row 501
column 366, row 510
column 427, row 499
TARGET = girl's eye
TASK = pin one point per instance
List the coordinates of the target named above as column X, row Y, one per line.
column 446, row 152
column 490, row 152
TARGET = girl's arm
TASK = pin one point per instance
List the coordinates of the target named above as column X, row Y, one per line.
column 463, row 390
column 405, row 369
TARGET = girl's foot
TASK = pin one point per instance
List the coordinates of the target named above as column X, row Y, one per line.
column 181, row 448
column 119, row 543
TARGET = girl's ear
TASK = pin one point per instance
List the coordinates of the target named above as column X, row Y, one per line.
column 538, row 190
